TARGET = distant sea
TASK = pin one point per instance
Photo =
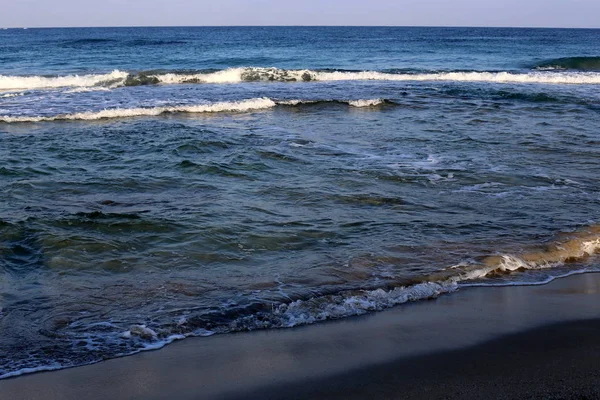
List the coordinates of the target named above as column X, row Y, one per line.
column 160, row 183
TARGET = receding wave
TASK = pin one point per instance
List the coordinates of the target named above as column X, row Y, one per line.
column 572, row 248
column 239, row 75
column 323, row 304
column 566, row 63
column 233, row 106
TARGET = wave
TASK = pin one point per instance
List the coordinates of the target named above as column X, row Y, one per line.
column 367, row 102
column 253, row 74
column 88, row 89
column 236, row 75
column 566, row 63
column 574, row 247
column 353, row 103
column 8, row 82
column 233, row 106
column 9, row 95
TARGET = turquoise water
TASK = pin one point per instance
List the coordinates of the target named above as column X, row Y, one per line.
column 160, row 183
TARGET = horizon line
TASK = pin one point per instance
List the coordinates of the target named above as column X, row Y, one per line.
column 294, row 26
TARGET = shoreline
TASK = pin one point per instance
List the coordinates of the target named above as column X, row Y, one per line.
column 369, row 355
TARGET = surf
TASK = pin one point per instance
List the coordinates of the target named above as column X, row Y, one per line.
column 119, row 78
column 217, row 107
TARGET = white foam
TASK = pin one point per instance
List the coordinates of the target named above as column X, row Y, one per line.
column 8, row 82
column 303, row 312
column 591, row 247
column 22, row 371
column 494, row 77
column 140, row 330
column 555, row 256
column 234, row 106
column 236, row 75
column 507, row 263
column 231, row 75
column 296, row 102
column 88, row 89
column 8, row 95
column 366, row 102
column 526, row 283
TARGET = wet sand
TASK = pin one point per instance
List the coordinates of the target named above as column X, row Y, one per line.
column 523, row 342
column 554, row 362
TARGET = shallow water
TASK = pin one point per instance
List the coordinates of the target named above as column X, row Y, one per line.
column 166, row 182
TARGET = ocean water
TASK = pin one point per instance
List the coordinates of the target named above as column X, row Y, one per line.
column 160, row 183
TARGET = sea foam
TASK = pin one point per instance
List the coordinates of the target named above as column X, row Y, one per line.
column 237, row 75
column 234, row 106
column 259, row 74
column 8, row 82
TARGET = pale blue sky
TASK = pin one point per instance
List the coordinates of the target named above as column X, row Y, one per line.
column 535, row 13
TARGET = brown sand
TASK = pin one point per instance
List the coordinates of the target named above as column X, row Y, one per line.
column 479, row 343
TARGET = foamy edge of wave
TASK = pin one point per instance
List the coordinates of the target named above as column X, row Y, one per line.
column 9, row 82
column 492, row 77
column 9, row 95
column 234, row 106
column 261, row 74
column 357, row 302
column 366, row 102
column 251, row 74
column 85, row 89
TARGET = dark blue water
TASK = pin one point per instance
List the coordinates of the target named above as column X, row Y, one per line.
column 159, row 183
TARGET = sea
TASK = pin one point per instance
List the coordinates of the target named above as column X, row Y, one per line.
column 165, row 183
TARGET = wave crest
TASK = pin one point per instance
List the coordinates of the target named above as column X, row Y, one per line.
column 234, row 106
column 237, row 75
column 255, row 74
column 576, row 247
column 8, row 82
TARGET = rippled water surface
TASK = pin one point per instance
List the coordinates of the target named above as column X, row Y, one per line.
column 167, row 182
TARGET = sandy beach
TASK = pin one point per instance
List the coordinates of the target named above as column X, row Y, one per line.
column 529, row 342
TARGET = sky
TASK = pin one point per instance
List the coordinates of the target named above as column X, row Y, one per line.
column 533, row 13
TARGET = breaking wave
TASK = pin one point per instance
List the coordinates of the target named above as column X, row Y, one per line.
column 233, row 106
column 8, row 82
column 571, row 248
column 236, row 75
column 574, row 247
column 367, row 103
column 255, row 74
column 9, row 95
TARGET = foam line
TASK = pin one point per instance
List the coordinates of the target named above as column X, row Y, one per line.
column 259, row 74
